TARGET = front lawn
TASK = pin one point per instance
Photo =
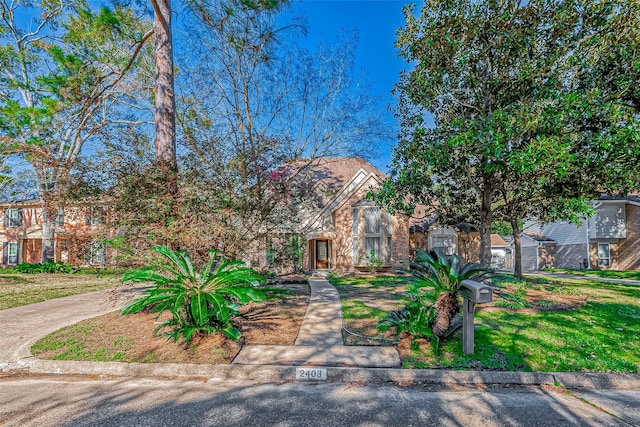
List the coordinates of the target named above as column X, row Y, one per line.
column 113, row 337
column 17, row 289
column 540, row 324
column 366, row 300
column 606, row 274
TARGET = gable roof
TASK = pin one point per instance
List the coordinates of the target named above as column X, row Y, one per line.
column 539, row 237
column 335, row 172
column 497, row 240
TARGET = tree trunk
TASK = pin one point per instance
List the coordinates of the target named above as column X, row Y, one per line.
column 165, row 119
column 486, row 217
column 446, row 309
column 517, row 243
column 48, row 233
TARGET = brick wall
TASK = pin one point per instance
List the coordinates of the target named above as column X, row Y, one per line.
column 625, row 254
column 342, row 244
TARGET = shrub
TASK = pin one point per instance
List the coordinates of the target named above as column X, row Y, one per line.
column 373, row 262
column 416, row 318
column 204, row 302
column 444, row 274
column 47, row 267
column 434, row 300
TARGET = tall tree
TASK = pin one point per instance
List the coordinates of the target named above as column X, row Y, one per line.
column 501, row 82
column 259, row 102
column 165, row 115
column 61, row 74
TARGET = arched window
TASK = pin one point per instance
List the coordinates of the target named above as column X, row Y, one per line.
column 372, row 230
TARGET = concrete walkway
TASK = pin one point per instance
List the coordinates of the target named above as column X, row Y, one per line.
column 319, row 341
column 23, row 326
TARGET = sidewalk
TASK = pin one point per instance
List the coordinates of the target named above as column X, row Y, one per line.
column 319, row 344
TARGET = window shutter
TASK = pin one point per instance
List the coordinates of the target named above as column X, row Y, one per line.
column 88, row 220
column 6, row 217
column 5, row 252
column 19, row 217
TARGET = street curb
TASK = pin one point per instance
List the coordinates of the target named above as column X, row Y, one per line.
column 273, row 373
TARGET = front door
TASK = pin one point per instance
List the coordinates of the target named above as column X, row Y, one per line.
column 32, row 251
column 322, row 254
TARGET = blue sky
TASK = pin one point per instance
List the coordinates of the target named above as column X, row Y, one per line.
column 376, row 23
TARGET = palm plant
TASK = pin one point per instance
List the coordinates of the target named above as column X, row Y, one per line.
column 203, row 302
column 444, row 274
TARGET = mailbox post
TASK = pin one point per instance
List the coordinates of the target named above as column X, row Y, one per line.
column 472, row 293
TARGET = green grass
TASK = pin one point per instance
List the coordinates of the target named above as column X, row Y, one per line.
column 23, row 289
column 601, row 336
column 354, row 309
column 361, row 295
column 75, row 349
column 371, row 282
column 606, row 274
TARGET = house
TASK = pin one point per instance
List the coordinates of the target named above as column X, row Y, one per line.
column 339, row 227
column 76, row 240
column 462, row 239
column 342, row 229
column 609, row 239
column 501, row 254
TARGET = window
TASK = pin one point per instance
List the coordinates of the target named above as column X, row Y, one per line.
column 372, row 244
column 59, row 221
column 10, row 253
column 372, row 220
column 96, row 254
column 355, row 252
column 95, row 215
column 371, row 228
column 446, row 244
column 354, row 219
column 443, row 239
column 604, row 254
column 13, row 217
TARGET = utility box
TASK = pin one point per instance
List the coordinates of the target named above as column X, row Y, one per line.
column 473, row 292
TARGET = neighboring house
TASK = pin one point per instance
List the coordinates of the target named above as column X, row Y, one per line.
column 501, row 254
column 610, row 239
column 343, row 228
column 462, row 239
column 76, row 230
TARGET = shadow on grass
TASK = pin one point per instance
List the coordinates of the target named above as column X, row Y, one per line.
column 600, row 337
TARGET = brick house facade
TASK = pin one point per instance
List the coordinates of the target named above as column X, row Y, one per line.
column 343, row 231
column 77, row 238
column 609, row 239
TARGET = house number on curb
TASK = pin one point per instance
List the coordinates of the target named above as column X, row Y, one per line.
column 318, row 374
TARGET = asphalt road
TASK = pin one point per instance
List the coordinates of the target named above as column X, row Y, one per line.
column 84, row 401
